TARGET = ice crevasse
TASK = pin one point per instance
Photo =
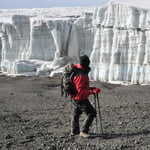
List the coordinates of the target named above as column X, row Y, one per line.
column 116, row 37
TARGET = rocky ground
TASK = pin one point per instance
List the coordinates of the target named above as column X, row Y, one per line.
column 34, row 116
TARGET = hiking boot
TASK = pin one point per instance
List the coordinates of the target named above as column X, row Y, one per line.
column 73, row 134
column 85, row 135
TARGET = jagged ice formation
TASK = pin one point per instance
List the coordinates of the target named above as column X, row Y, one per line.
column 121, row 50
column 115, row 37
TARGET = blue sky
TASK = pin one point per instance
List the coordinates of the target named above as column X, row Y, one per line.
column 8, row 4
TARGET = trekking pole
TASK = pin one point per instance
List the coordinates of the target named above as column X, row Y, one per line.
column 99, row 112
column 96, row 111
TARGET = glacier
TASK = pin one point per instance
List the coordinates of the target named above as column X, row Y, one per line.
column 42, row 41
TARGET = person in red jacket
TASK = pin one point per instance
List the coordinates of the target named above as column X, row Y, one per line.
column 80, row 100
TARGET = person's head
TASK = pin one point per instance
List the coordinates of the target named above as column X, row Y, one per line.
column 84, row 61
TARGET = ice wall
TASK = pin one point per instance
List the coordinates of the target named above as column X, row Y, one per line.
column 33, row 46
column 85, row 32
column 116, row 37
column 42, row 41
column 121, row 51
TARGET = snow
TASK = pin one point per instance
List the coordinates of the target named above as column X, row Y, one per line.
column 54, row 12
column 42, row 41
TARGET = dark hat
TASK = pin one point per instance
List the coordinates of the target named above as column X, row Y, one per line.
column 84, row 61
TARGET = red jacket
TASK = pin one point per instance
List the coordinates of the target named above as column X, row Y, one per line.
column 81, row 83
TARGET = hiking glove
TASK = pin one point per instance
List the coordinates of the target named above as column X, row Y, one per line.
column 91, row 90
column 96, row 90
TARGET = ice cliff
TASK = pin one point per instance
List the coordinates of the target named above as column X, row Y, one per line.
column 121, row 50
column 42, row 41
column 116, row 37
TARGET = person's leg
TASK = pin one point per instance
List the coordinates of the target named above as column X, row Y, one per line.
column 91, row 113
column 76, row 112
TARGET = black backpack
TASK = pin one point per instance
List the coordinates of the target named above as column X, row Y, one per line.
column 67, row 87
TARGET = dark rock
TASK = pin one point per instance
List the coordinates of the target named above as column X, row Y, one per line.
column 8, row 136
column 8, row 145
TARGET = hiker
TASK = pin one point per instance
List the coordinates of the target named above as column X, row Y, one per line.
column 80, row 102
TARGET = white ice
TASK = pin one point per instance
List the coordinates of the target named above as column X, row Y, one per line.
column 116, row 37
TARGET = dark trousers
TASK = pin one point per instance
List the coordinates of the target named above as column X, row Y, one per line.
column 78, row 107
